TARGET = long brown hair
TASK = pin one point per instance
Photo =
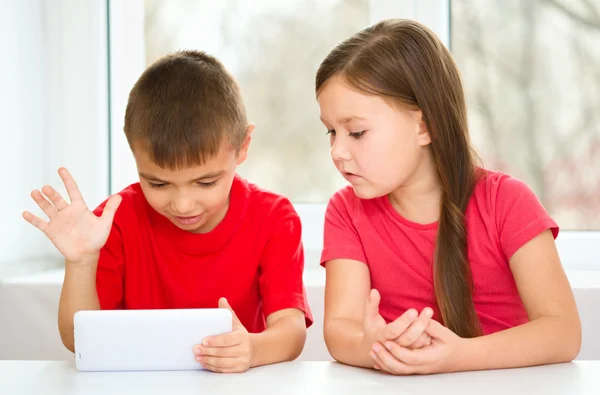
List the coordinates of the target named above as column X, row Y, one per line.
column 404, row 62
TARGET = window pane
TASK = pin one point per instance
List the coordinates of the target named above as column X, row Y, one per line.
column 273, row 48
column 532, row 76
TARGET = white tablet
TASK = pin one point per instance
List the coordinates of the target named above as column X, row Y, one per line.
column 124, row 340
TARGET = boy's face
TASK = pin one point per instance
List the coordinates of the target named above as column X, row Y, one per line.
column 195, row 199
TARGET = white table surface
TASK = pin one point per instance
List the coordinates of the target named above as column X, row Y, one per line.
column 60, row 377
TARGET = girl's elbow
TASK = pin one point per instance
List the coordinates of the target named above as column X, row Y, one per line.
column 333, row 347
column 573, row 348
column 572, row 343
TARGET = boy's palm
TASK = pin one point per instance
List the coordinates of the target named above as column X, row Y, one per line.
column 73, row 229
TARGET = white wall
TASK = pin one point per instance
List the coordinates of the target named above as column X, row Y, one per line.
column 29, row 330
column 53, row 107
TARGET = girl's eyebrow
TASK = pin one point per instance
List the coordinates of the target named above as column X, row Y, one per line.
column 348, row 119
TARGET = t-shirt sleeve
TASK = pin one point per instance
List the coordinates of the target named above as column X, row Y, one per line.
column 340, row 238
column 110, row 274
column 282, row 265
column 520, row 216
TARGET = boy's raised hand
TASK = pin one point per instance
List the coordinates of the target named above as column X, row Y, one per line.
column 227, row 353
column 75, row 231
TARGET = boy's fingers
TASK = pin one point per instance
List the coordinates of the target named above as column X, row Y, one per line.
column 217, row 351
column 224, row 304
column 218, row 362
column 225, row 340
column 43, row 203
column 218, row 370
column 110, row 208
column 55, row 197
column 35, row 221
column 70, row 184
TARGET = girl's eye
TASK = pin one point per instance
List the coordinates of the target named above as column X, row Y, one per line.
column 357, row 135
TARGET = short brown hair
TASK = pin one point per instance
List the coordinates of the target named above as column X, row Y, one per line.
column 182, row 108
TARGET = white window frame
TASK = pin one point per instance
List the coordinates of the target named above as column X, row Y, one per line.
column 69, row 69
column 578, row 249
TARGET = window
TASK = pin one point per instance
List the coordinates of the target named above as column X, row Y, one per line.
column 532, row 75
column 53, row 105
column 274, row 49
column 531, row 72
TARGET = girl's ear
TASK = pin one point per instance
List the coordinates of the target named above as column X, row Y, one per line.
column 423, row 138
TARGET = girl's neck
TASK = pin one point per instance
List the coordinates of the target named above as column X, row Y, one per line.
column 419, row 198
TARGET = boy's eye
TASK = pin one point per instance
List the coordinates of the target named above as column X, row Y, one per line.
column 156, row 185
column 207, row 184
column 357, row 135
column 331, row 131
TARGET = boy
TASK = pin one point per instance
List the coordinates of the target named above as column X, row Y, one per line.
column 191, row 233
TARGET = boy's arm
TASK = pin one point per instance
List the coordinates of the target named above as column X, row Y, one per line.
column 78, row 293
column 79, row 235
column 238, row 350
column 283, row 340
column 283, row 302
column 282, row 293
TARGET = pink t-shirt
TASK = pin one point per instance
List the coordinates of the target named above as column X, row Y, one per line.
column 502, row 215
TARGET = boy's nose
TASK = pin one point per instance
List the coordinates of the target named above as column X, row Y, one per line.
column 183, row 206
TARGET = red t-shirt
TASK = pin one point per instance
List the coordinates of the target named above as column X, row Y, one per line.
column 254, row 258
column 502, row 215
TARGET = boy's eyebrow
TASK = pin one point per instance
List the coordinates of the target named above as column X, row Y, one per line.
column 212, row 174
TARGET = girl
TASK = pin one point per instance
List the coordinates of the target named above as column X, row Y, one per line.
column 423, row 229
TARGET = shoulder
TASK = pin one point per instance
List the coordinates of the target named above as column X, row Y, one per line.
column 268, row 205
column 501, row 190
column 344, row 201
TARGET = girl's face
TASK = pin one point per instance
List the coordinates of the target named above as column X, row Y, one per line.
column 376, row 146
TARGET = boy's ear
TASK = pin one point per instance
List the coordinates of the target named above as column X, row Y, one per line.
column 243, row 153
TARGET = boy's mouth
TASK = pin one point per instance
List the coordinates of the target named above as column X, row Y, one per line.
column 188, row 220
